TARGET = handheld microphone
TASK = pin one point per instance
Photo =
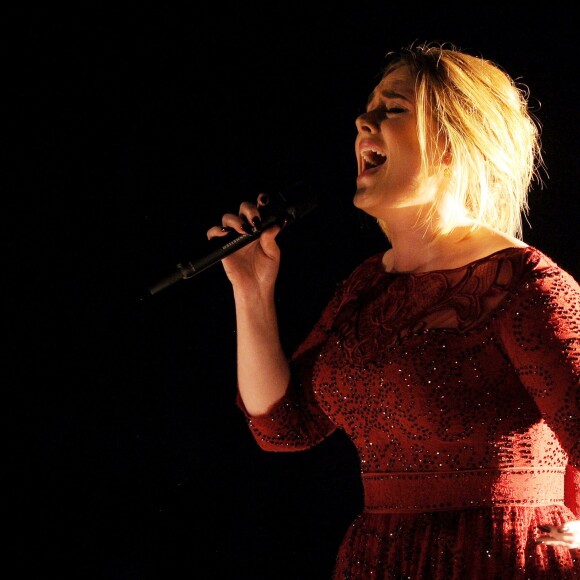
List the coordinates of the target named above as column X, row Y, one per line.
column 282, row 209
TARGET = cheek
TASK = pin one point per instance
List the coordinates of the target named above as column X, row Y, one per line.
column 405, row 140
column 409, row 154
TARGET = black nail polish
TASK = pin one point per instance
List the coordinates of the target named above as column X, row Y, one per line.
column 247, row 228
column 226, row 229
column 257, row 222
column 544, row 528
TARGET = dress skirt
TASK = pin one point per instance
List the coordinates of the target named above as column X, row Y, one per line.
column 491, row 543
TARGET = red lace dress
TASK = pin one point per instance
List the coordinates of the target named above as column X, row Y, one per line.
column 460, row 390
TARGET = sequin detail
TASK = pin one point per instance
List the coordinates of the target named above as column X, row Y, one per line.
column 475, row 369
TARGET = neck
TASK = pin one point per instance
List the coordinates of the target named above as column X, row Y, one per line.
column 417, row 247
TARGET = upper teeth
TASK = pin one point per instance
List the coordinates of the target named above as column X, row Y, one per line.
column 368, row 153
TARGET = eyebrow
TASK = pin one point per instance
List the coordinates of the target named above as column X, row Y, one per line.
column 394, row 95
column 391, row 93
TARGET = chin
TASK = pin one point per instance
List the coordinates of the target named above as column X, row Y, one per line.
column 363, row 200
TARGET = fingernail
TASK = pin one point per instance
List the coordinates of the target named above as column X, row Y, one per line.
column 247, row 228
column 545, row 528
column 226, row 229
column 257, row 222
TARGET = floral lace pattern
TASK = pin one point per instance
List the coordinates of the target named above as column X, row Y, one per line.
column 441, row 376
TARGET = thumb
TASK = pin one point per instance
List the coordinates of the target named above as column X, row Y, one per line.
column 268, row 241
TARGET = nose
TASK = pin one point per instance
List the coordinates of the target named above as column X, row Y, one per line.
column 366, row 123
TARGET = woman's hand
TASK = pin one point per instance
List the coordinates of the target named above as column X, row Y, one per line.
column 255, row 265
column 567, row 535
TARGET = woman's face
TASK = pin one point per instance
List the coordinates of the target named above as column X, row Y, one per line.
column 388, row 151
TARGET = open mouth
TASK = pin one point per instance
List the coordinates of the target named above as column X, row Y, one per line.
column 371, row 158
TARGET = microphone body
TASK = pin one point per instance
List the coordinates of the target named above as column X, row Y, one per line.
column 278, row 211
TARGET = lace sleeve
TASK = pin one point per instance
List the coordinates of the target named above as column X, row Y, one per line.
column 296, row 422
column 540, row 332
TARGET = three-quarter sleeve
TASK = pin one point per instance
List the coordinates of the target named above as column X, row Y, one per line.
column 540, row 332
column 296, row 421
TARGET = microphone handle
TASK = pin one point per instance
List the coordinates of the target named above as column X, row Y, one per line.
column 227, row 246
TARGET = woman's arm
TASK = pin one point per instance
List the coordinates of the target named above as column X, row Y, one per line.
column 262, row 366
column 541, row 335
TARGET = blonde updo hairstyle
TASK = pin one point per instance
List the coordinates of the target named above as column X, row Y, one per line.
column 482, row 116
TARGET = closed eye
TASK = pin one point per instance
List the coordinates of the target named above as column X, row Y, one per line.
column 394, row 110
column 381, row 112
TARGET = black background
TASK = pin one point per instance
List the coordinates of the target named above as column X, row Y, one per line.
column 129, row 131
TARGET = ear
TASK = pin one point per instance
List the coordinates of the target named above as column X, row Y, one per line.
column 446, row 163
column 447, row 158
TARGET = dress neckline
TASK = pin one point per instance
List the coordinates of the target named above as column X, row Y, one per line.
column 490, row 257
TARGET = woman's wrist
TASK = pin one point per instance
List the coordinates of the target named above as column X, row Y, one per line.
column 255, row 296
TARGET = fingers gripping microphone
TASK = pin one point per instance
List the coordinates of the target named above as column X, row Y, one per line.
column 282, row 209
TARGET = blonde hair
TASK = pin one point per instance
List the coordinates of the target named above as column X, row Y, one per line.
column 482, row 116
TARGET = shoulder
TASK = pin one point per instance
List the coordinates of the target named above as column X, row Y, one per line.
column 542, row 293
column 513, row 260
column 544, row 270
column 530, row 268
column 483, row 241
column 369, row 267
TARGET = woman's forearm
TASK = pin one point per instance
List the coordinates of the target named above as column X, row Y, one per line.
column 262, row 366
